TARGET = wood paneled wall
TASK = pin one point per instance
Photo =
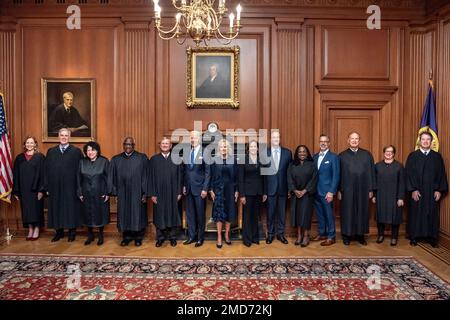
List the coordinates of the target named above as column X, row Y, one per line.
column 306, row 67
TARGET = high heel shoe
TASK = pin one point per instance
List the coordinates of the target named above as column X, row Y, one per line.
column 219, row 246
column 228, row 242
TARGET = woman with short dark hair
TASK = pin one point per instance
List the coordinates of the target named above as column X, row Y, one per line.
column 93, row 190
column 390, row 194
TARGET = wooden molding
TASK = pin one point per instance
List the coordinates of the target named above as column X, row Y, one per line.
column 356, row 89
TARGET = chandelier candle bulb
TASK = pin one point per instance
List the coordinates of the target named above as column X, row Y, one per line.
column 238, row 10
column 155, row 3
column 158, row 12
column 231, row 21
column 178, row 17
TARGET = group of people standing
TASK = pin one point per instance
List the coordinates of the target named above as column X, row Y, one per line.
column 79, row 188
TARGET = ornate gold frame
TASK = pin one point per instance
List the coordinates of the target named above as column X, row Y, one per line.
column 191, row 100
column 44, row 82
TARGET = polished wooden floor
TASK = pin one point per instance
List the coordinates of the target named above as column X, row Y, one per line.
column 112, row 247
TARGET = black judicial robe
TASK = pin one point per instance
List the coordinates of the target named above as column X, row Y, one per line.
column 357, row 179
column 64, row 207
column 426, row 174
column 390, row 187
column 28, row 180
column 92, row 185
column 165, row 183
column 299, row 177
column 129, row 183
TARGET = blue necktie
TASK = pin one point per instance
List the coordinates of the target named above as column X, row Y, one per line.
column 192, row 158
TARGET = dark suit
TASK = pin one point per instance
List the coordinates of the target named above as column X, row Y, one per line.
column 329, row 175
column 217, row 88
column 196, row 179
column 60, row 118
column 277, row 192
column 252, row 185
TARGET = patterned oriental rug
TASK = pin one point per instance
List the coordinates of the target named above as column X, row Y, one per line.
column 48, row 277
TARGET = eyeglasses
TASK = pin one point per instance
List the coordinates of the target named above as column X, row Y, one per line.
column 128, row 144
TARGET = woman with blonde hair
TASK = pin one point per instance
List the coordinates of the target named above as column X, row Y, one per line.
column 28, row 181
column 224, row 186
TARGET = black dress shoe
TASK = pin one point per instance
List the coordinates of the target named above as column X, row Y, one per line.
column 380, row 239
column 199, row 243
column 269, row 240
column 125, row 242
column 159, row 243
column 346, row 242
column 57, row 237
column 282, row 239
column 138, row 243
column 413, row 242
column 173, row 242
column 71, row 238
column 434, row 243
column 362, row 241
column 297, row 242
column 393, row 242
column 255, row 242
column 247, row 244
column 189, row 241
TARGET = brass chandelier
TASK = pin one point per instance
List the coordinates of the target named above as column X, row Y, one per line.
column 199, row 20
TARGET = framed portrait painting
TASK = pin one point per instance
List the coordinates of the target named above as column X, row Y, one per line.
column 213, row 77
column 68, row 103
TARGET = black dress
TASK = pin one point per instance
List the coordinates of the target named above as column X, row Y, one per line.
column 300, row 177
column 28, row 180
column 390, row 184
column 93, row 185
column 224, row 185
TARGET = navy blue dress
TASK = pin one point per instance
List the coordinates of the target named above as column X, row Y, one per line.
column 224, row 185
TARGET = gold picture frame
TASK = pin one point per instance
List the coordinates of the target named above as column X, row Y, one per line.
column 80, row 117
column 213, row 77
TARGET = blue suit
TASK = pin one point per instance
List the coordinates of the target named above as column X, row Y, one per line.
column 196, row 179
column 329, row 175
column 277, row 191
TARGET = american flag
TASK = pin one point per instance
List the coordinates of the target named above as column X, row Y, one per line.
column 5, row 157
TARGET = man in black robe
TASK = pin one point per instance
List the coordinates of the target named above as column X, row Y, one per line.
column 165, row 190
column 426, row 180
column 356, row 188
column 129, row 185
column 61, row 169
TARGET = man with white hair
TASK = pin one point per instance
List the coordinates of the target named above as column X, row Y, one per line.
column 61, row 170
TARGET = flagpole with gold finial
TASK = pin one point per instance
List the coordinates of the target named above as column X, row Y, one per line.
column 430, row 77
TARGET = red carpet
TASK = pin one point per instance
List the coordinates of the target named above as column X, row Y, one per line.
column 121, row 278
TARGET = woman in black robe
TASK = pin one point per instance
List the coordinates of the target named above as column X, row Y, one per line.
column 224, row 180
column 28, row 181
column 302, row 183
column 93, row 191
column 389, row 194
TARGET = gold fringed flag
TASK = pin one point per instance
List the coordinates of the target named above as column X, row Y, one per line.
column 6, row 178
